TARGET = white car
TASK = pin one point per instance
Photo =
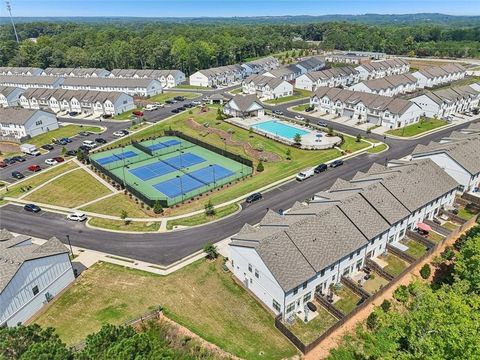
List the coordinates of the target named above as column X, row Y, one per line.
column 90, row 144
column 77, row 217
column 51, row 162
column 120, row 133
column 196, row 102
column 299, row 117
column 151, row 107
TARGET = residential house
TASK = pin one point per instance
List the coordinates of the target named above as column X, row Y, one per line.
column 244, row 106
column 34, row 81
column 20, row 123
column 267, row 87
column 371, row 108
column 134, row 87
column 382, row 68
column 314, row 63
column 391, row 85
column 30, row 276
column 438, row 75
column 350, row 59
column 218, row 76
column 9, row 96
column 261, row 65
column 333, row 77
column 287, row 72
column 168, row 78
column 288, row 258
column 75, row 72
column 20, row 71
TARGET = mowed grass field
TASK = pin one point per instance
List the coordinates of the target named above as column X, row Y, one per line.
column 114, row 205
column 71, row 190
column 61, row 132
column 418, row 128
column 120, row 225
column 170, row 95
column 201, row 296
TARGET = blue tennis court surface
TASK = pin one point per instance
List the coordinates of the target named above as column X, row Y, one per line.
column 151, row 171
column 174, row 187
column 163, row 144
column 211, row 174
column 184, row 160
column 116, row 157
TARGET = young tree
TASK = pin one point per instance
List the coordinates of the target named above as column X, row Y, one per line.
column 219, row 114
column 124, row 216
column 250, row 132
column 386, row 305
column 209, row 209
column 297, row 139
column 401, row 294
column 288, row 153
column 157, row 207
column 372, row 320
column 64, row 150
column 330, row 131
column 448, row 254
column 358, row 138
column 260, row 166
column 80, row 155
column 211, row 251
column 425, row 271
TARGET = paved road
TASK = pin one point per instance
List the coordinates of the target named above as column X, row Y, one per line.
column 167, row 248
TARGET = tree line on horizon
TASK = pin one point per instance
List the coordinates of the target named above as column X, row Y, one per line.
column 190, row 47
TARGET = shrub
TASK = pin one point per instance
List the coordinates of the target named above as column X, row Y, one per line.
column 211, row 251
column 425, row 271
column 372, row 321
column 260, row 167
column 386, row 305
column 157, row 207
column 448, row 254
column 209, row 209
column 358, row 138
column 401, row 294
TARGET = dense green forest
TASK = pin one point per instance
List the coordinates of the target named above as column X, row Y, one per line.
column 192, row 46
column 427, row 321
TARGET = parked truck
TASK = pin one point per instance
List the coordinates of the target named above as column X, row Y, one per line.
column 29, row 149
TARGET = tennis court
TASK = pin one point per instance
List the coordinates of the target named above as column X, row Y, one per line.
column 169, row 169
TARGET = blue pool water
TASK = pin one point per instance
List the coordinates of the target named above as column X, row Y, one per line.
column 278, row 128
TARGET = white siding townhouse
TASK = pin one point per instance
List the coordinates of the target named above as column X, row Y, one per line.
column 30, row 276
column 261, row 65
column 290, row 257
column 168, row 78
column 382, row 68
column 459, row 158
column 244, row 106
column 445, row 102
column 218, row 76
column 350, row 59
column 89, row 102
column 34, row 81
column 134, row 87
column 20, row 123
column 391, row 85
column 10, row 96
column 287, row 72
column 75, row 72
column 266, row 87
column 314, row 63
column 375, row 109
column 439, row 75
column 334, row 77
column 23, row 71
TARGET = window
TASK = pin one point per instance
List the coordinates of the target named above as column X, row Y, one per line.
column 250, row 267
column 295, row 291
column 358, row 252
column 332, row 268
column 257, row 275
column 307, row 297
column 276, row 305
column 290, row 307
column 304, row 285
column 35, row 290
column 351, row 256
column 402, row 233
column 318, row 288
column 346, row 271
column 322, row 273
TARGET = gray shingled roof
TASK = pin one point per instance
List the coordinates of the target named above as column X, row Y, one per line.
column 16, row 115
column 244, row 102
column 108, row 82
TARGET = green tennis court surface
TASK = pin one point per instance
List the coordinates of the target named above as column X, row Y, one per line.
column 169, row 168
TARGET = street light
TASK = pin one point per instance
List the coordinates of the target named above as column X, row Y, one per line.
column 181, row 185
column 70, row 244
column 213, row 170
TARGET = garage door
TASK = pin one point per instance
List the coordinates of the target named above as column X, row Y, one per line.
column 348, row 113
column 373, row 119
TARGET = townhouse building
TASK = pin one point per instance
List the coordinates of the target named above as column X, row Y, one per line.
column 459, row 158
column 10, row 96
column 20, row 71
column 314, row 63
column 438, row 75
column 371, row 108
column 261, row 65
column 168, row 78
column 134, row 87
column 446, row 102
column 350, row 59
column 31, row 276
column 34, row 81
column 391, row 85
column 218, row 76
column 289, row 257
column 267, row 87
column 96, row 103
column 334, row 77
column 21, row 123
column 75, row 72
column 382, row 68
column 244, row 106
column 286, row 72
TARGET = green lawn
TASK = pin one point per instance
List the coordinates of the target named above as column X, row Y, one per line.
column 422, row 126
column 377, row 149
column 40, row 178
column 125, row 115
column 187, row 86
column 307, row 332
column 170, row 95
column 202, row 218
column 415, row 249
column 71, row 190
column 351, row 145
column 466, row 214
column 236, row 91
column 395, row 265
column 137, row 226
column 348, row 300
column 301, row 107
column 450, row 225
column 114, row 205
column 61, row 132
column 297, row 95
column 274, row 171
column 435, row 237
column 202, row 297
column 374, row 284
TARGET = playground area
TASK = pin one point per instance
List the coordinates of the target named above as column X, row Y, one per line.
column 168, row 169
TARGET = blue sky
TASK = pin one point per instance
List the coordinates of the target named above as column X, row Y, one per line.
column 227, row 8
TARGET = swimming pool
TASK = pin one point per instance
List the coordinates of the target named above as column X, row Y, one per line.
column 279, row 128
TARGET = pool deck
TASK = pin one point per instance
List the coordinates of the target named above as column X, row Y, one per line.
column 314, row 139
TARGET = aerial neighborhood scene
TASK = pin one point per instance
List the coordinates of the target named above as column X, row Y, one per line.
column 213, row 180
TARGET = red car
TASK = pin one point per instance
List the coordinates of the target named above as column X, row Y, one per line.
column 59, row 159
column 3, row 164
column 138, row 113
column 34, row 168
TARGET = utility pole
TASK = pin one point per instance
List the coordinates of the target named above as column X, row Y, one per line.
column 9, row 9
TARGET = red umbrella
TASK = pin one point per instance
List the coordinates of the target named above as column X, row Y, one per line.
column 424, row 227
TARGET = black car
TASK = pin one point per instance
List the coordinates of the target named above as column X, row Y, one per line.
column 19, row 158
column 84, row 148
column 180, row 98
column 10, row 161
column 101, row 140
column 84, row 133
column 336, row 163
column 32, row 208
column 320, row 168
column 309, row 109
column 170, row 101
column 189, row 105
column 73, row 113
column 175, row 111
column 254, row 197
column 182, row 108
column 17, row 175
column 71, row 153
column 47, row 147
column 126, row 132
